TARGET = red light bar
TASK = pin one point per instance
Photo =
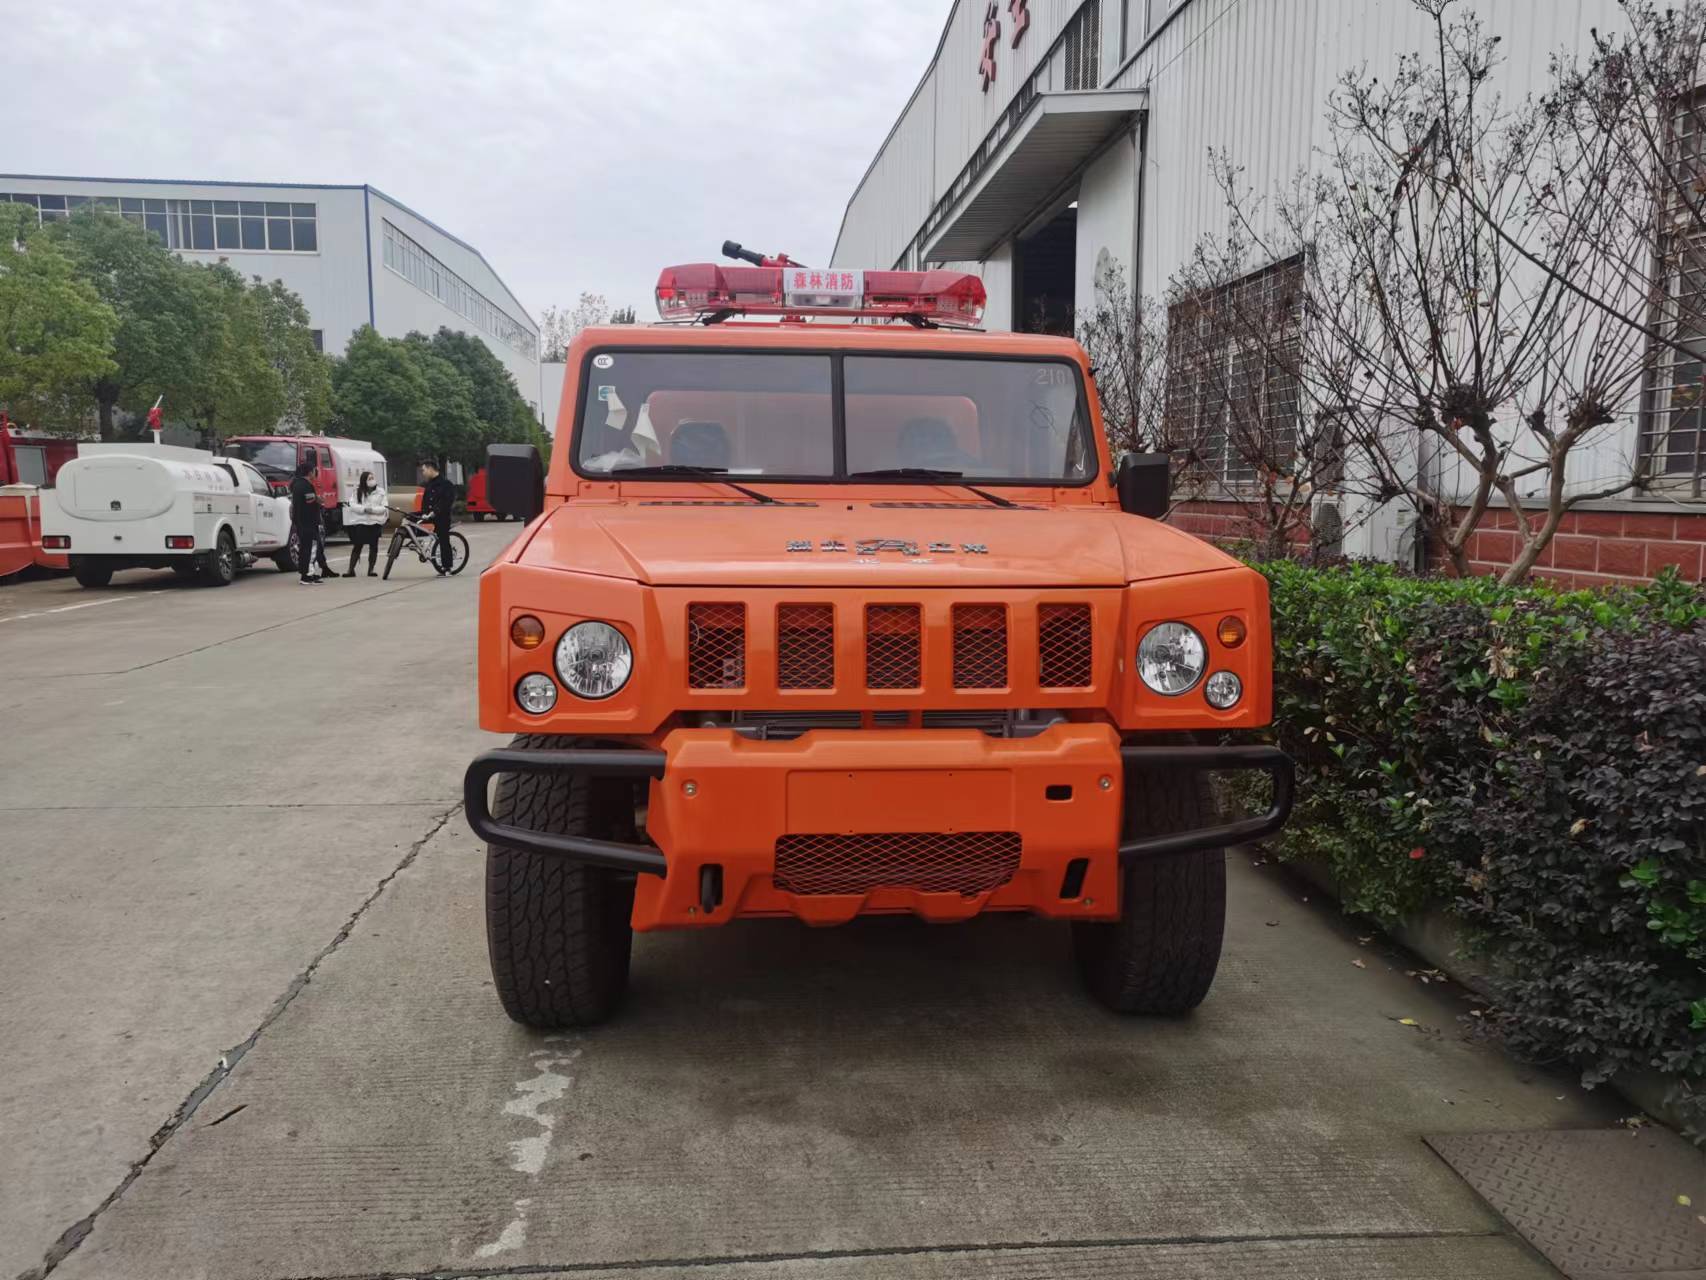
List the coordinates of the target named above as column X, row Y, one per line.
column 954, row 298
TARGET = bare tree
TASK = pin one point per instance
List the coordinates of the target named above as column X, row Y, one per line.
column 1126, row 340
column 557, row 327
column 1475, row 274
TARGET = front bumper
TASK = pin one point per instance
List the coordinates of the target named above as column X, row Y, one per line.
column 976, row 823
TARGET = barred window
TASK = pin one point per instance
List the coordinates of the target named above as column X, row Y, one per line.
column 1081, row 48
column 1673, row 433
column 1232, row 387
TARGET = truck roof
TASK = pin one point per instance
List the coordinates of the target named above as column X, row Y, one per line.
column 818, row 336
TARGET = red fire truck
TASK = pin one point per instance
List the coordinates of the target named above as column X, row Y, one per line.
column 27, row 463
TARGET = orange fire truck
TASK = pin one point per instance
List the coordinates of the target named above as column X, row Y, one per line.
column 832, row 606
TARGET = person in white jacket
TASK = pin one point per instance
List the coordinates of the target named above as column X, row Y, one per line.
column 364, row 519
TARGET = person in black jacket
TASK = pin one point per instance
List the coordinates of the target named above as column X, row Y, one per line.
column 305, row 523
column 437, row 497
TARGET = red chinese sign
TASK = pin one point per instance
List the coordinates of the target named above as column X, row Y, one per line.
column 1021, row 19
column 802, row 280
column 991, row 38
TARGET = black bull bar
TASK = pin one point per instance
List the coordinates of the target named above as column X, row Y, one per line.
column 649, row 860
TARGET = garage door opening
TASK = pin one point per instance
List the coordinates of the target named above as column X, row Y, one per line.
column 1047, row 276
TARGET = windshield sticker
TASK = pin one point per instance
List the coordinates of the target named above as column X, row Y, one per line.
column 605, row 391
column 604, row 362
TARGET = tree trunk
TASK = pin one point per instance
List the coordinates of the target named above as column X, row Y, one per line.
column 108, row 431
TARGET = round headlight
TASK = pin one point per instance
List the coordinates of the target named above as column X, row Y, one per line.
column 593, row 659
column 535, row 694
column 1171, row 658
column 1223, row 689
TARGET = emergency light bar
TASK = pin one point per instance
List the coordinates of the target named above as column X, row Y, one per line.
column 705, row 289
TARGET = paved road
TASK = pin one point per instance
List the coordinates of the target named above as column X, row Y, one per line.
column 247, row 1030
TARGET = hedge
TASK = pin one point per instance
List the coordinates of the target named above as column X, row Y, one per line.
column 1533, row 762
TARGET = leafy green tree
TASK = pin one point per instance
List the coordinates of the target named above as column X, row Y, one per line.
column 155, row 298
column 505, row 416
column 455, row 430
column 55, row 332
column 288, row 342
column 380, row 393
column 234, row 386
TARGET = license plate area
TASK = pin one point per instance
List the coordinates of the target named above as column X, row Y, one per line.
column 862, row 801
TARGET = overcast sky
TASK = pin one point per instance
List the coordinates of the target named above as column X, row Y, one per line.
column 578, row 145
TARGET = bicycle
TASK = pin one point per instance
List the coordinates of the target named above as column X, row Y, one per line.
column 424, row 543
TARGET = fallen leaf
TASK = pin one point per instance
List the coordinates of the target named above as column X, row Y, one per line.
column 1359, row 964
column 1684, row 1201
column 1578, row 826
column 1408, row 1022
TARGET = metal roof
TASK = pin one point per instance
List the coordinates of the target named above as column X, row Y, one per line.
column 1059, row 133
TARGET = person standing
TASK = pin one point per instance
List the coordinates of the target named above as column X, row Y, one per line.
column 305, row 523
column 364, row 520
column 437, row 497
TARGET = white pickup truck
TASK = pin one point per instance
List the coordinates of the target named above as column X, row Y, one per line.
column 148, row 506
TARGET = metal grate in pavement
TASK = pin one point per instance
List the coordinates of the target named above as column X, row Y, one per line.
column 1601, row 1204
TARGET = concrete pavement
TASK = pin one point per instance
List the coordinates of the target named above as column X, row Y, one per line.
column 230, row 824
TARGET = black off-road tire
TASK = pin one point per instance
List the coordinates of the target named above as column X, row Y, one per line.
column 558, row 931
column 1159, row 957
column 220, row 567
column 91, row 574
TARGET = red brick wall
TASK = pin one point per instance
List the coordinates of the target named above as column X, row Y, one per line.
column 1592, row 548
column 1599, row 548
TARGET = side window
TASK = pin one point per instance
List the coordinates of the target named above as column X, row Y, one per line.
column 326, row 458
column 257, row 483
column 32, row 465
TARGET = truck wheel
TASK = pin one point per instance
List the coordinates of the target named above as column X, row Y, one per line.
column 90, row 574
column 557, row 931
column 220, row 568
column 1161, row 954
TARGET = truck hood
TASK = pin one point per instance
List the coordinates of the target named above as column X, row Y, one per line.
column 670, row 543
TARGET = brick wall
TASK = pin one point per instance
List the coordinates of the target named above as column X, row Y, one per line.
column 1599, row 548
column 1592, row 548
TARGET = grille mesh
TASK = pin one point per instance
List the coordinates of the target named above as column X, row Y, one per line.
column 716, row 646
column 805, row 646
column 1063, row 646
column 892, row 646
column 980, row 646
column 964, row 862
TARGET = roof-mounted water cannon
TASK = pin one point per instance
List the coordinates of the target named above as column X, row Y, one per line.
column 710, row 292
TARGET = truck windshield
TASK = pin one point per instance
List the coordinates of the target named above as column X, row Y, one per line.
column 671, row 413
column 268, row 455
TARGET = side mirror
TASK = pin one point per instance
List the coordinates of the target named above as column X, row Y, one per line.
column 1145, row 483
column 515, row 480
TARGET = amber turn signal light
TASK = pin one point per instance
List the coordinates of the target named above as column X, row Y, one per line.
column 527, row 632
column 1230, row 632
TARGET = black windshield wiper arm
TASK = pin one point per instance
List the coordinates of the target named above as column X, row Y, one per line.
column 682, row 469
column 929, row 473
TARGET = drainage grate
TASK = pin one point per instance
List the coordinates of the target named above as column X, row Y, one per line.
column 1597, row 1202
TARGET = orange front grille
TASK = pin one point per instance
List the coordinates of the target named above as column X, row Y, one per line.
column 892, row 646
column 805, row 646
column 716, row 646
column 980, row 646
column 1064, row 646
column 962, row 862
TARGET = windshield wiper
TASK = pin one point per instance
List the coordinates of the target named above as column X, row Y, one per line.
column 929, row 473
column 682, row 469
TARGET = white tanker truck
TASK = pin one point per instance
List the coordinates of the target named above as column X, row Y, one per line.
column 150, row 506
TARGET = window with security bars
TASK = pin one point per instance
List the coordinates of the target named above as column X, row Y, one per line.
column 1673, row 432
column 1233, row 399
column 1081, row 48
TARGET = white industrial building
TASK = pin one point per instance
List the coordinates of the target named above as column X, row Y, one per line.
column 353, row 254
column 1049, row 138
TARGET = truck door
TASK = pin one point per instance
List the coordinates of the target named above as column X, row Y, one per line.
column 326, row 483
column 242, row 504
column 271, row 514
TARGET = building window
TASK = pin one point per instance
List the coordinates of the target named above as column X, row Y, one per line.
column 1673, row 434
column 1233, row 402
column 401, row 254
column 319, row 338
column 203, row 226
column 1081, row 48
